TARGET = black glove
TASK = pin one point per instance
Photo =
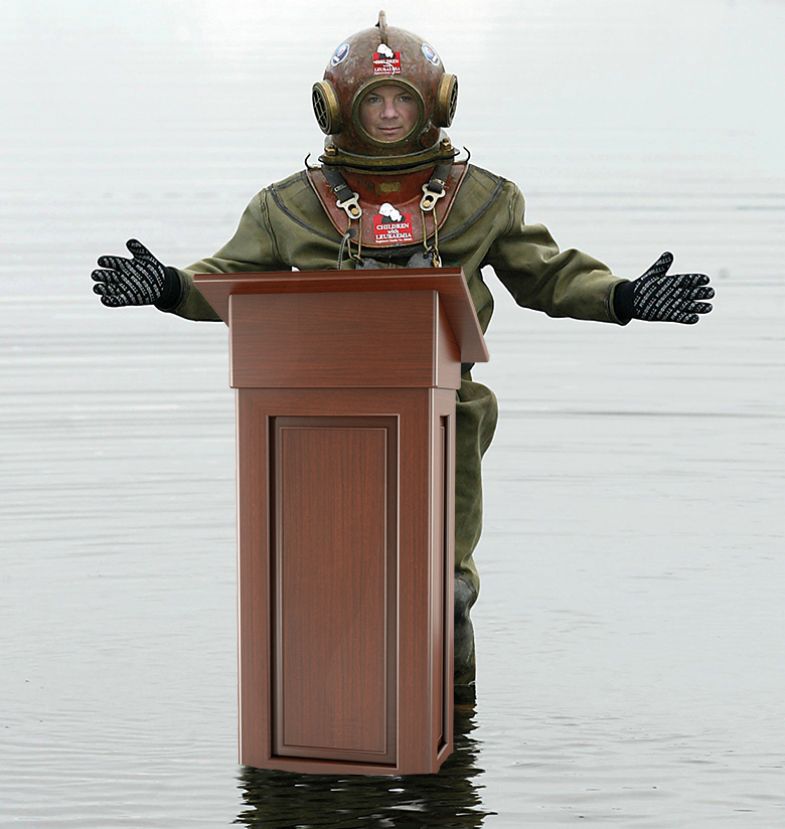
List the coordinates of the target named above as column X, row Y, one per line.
column 142, row 280
column 658, row 297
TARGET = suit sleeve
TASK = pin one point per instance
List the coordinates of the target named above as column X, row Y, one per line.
column 252, row 248
column 565, row 283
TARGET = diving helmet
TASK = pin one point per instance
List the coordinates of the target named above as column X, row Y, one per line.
column 372, row 58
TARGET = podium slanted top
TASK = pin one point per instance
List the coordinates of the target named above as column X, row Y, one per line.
column 449, row 283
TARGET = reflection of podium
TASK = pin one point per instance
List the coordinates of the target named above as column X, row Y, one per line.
column 346, row 432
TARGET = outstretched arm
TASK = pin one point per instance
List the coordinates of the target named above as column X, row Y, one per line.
column 530, row 265
column 144, row 280
column 573, row 284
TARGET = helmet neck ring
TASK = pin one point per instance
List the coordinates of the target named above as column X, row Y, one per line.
column 406, row 162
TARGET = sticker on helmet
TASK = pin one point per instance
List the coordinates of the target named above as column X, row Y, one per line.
column 385, row 61
column 392, row 227
column 339, row 55
column 429, row 53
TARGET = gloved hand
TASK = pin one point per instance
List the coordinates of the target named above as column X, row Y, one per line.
column 654, row 296
column 142, row 280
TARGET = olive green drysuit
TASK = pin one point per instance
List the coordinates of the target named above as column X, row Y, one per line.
column 285, row 226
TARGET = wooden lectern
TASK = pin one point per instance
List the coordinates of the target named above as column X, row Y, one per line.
column 345, row 439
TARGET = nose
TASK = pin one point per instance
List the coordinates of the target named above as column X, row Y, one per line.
column 390, row 110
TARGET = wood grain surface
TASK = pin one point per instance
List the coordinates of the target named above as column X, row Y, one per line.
column 345, row 559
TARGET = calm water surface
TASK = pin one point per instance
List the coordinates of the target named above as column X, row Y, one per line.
column 630, row 627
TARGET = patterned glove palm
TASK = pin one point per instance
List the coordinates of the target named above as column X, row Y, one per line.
column 675, row 298
column 137, row 281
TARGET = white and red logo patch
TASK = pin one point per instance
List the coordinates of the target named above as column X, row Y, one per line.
column 390, row 226
column 385, row 61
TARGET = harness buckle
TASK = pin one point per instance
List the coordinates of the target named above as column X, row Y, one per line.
column 351, row 207
column 432, row 194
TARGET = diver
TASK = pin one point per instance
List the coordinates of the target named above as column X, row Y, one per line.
column 391, row 191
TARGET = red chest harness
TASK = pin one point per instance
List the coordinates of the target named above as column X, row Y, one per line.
column 384, row 210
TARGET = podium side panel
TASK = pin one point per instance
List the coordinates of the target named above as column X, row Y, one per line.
column 438, row 575
column 416, row 647
column 448, row 354
column 444, row 404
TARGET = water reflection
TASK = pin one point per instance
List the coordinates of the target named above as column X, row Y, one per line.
column 282, row 800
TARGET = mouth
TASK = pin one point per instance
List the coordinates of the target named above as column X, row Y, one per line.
column 391, row 132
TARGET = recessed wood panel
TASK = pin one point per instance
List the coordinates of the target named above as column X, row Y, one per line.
column 334, row 573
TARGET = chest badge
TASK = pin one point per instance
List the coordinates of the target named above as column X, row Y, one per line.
column 391, row 227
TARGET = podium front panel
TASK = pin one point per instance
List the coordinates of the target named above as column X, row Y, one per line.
column 399, row 339
column 346, row 575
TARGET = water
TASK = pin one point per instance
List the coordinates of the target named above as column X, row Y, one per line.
column 630, row 667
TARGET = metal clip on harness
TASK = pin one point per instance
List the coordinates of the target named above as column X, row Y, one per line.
column 349, row 202
column 351, row 207
column 432, row 192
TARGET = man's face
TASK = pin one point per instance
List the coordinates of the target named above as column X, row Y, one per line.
column 388, row 112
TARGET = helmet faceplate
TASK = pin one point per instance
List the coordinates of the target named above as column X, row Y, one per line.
column 370, row 58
